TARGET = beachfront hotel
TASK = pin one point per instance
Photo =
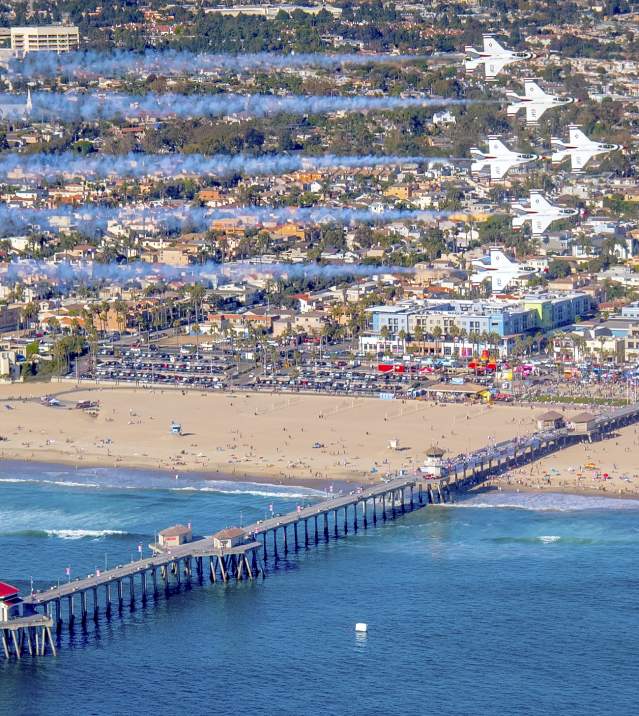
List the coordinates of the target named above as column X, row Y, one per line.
column 505, row 320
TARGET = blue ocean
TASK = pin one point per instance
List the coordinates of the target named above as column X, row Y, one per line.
column 500, row 604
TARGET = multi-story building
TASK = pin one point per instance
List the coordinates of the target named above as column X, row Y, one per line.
column 495, row 323
column 558, row 309
column 44, row 38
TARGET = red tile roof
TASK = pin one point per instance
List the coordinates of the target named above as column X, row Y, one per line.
column 7, row 590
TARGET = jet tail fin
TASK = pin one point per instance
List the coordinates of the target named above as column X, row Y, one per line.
column 576, row 136
column 497, row 147
column 538, row 202
column 491, row 45
column 498, row 259
column 532, row 90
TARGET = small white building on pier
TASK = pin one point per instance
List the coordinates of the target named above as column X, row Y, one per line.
column 228, row 538
column 175, row 536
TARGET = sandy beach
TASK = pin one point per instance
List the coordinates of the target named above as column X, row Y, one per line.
column 280, row 438
column 297, row 439
column 609, row 466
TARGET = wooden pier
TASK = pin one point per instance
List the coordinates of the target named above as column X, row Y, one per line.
column 361, row 508
column 32, row 633
column 467, row 471
column 84, row 599
column 268, row 539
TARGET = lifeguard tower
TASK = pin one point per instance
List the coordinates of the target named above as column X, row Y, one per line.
column 434, row 462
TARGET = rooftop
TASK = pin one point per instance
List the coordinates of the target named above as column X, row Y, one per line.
column 175, row 531
column 229, row 533
column 7, row 590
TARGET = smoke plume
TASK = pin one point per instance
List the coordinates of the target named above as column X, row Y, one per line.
column 69, row 164
column 93, row 106
column 121, row 63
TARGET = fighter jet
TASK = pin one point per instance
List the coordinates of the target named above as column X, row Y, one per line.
column 499, row 159
column 535, row 101
column 499, row 269
column 540, row 212
column 579, row 148
column 494, row 57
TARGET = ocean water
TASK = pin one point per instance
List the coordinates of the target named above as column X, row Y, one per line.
column 501, row 604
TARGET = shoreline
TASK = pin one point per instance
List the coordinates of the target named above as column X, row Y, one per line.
column 552, row 490
column 336, row 486
column 305, row 441
column 189, row 476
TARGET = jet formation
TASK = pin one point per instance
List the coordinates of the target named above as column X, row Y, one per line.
column 499, row 159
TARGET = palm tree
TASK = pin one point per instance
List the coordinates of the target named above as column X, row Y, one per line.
column 494, row 340
column 28, row 313
column 120, row 308
column 419, row 337
column 196, row 294
column 176, row 325
column 402, row 337
column 384, row 334
column 437, row 334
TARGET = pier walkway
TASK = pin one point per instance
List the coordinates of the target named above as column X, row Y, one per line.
column 83, row 598
column 472, row 469
column 305, row 526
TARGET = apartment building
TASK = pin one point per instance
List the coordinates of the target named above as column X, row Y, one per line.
column 44, row 38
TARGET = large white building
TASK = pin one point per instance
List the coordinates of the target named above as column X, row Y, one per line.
column 44, row 38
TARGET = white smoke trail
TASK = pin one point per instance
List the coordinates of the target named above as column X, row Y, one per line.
column 205, row 272
column 42, row 166
column 92, row 106
column 120, row 63
column 92, row 219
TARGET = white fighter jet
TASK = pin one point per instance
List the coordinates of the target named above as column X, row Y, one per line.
column 498, row 160
column 540, row 212
column 499, row 269
column 579, row 148
column 494, row 57
column 535, row 101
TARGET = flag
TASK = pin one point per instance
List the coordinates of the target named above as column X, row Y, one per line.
column 140, row 548
column 270, row 507
column 67, row 571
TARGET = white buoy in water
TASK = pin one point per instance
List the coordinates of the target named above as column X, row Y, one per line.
column 361, row 626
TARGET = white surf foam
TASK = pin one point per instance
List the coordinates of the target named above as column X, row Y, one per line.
column 83, row 534
column 545, row 502
column 249, row 490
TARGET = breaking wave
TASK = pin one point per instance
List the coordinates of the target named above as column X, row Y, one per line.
column 67, row 533
column 257, row 489
column 546, row 502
